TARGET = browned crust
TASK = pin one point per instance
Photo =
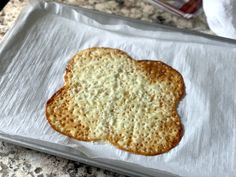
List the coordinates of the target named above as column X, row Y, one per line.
column 49, row 102
column 164, row 150
column 148, row 66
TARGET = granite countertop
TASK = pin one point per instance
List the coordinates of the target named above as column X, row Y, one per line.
column 18, row 161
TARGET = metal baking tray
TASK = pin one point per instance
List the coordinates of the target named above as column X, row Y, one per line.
column 73, row 154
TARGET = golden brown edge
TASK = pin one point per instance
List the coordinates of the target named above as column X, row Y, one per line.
column 47, row 116
column 68, row 70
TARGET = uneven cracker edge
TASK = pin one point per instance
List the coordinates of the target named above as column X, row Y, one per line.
column 68, row 69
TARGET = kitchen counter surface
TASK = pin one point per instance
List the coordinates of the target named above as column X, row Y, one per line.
column 138, row 9
column 18, row 161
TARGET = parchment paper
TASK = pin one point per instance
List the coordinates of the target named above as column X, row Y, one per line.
column 34, row 54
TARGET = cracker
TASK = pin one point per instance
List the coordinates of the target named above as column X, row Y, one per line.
column 108, row 96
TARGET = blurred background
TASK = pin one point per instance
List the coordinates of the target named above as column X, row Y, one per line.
column 152, row 11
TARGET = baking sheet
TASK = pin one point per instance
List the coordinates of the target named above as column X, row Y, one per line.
column 33, row 57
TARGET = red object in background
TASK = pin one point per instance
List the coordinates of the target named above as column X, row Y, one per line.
column 191, row 6
column 186, row 9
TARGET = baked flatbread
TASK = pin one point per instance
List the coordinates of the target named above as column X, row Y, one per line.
column 108, row 96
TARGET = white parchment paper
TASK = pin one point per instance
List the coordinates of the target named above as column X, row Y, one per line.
column 34, row 54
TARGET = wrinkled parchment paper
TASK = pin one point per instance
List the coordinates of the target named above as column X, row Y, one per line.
column 34, row 54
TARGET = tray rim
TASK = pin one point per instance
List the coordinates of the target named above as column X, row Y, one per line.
column 71, row 154
column 150, row 24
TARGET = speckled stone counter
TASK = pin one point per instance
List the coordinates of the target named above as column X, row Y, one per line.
column 138, row 9
column 18, row 161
